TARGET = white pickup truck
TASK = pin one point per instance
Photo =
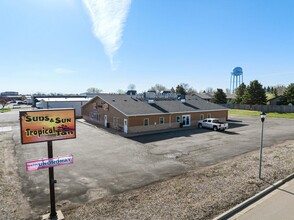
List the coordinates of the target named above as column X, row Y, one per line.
column 213, row 123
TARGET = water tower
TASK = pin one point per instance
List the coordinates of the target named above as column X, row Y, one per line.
column 236, row 79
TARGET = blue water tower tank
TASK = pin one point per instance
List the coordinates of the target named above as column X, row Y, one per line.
column 236, row 79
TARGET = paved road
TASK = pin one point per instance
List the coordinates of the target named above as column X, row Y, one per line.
column 105, row 163
column 276, row 205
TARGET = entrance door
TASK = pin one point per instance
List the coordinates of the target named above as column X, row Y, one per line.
column 126, row 126
column 105, row 121
column 186, row 120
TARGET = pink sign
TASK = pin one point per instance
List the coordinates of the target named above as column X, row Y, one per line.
column 49, row 162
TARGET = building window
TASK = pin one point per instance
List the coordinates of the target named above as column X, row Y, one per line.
column 201, row 116
column 208, row 115
column 161, row 120
column 115, row 121
column 178, row 119
column 146, row 121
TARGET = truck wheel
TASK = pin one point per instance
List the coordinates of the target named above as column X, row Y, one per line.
column 199, row 125
column 214, row 128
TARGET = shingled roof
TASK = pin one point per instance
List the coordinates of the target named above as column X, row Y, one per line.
column 131, row 106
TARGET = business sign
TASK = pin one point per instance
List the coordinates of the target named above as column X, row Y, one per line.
column 47, row 125
column 49, row 162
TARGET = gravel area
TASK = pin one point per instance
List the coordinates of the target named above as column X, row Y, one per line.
column 13, row 204
column 199, row 194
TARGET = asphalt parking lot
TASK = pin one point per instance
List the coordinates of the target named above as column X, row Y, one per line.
column 106, row 163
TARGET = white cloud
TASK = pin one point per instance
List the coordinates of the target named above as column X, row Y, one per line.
column 108, row 17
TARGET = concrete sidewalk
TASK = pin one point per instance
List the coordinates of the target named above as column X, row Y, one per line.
column 276, row 205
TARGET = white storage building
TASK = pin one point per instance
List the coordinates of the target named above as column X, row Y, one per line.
column 76, row 103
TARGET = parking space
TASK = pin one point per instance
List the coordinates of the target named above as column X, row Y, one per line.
column 106, row 163
column 202, row 147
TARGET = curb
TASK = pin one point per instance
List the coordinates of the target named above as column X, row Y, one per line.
column 233, row 211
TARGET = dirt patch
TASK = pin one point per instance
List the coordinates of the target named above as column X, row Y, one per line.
column 201, row 194
column 12, row 201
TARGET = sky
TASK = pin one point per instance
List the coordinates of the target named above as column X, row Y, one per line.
column 68, row 46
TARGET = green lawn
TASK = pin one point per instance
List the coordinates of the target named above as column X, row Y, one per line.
column 5, row 110
column 256, row 113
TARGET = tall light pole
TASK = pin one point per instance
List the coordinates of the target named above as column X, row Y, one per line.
column 262, row 117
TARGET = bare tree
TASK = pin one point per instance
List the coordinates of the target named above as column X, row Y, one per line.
column 94, row 90
column 158, row 88
column 3, row 103
column 120, row 91
column 209, row 90
column 131, row 87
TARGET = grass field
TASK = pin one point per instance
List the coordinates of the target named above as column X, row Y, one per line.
column 256, row 113
column 5, row 110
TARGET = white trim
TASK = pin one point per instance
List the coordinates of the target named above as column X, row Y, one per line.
column 186, row 125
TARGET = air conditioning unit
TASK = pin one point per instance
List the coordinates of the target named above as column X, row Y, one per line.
column 183, row 100
column 150, row 101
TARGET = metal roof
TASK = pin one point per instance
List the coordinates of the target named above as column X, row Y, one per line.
column 64, row 99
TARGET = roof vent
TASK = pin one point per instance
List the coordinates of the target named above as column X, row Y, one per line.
column 150, row 101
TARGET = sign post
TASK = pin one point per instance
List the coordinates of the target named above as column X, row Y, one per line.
column 53, row 213
column 46, row 126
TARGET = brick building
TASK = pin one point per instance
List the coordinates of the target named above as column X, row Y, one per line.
column 135, row 114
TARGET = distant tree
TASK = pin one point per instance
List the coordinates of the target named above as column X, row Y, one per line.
column 39, row 94
column 268, row 89
column 289, row 93
column 219, row 97
column 120, row 91
column 181, row 90
column 275, row 92
column 158, row 88
column 3, row 103
column 94, row 90
column 131, row 87
column 239, row 94
column 209, row 90
column 280, row 89
column 254, row 94
column 172, row 90
column 184, row 87
column 191, row 91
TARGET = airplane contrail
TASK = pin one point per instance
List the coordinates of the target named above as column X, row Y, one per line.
column 108, row 18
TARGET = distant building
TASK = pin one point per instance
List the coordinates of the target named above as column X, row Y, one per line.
column 277, row 100
column 208, row 96
column 131, row 92
column 76, row 103
column 89, row 94
column 9, row 93
column 36, row 98
column 205, row 96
